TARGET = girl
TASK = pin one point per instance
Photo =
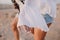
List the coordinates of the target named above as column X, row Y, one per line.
column 36, row 16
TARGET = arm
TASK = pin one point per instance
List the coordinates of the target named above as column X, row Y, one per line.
column 14, row 28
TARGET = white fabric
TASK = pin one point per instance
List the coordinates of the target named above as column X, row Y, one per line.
column 30, row 14
column 53, row 3
column 20, row 4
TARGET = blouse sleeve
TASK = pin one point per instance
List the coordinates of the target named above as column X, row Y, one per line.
column 48, row 7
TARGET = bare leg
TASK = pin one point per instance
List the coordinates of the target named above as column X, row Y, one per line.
column 14, row 28
column 38, row 34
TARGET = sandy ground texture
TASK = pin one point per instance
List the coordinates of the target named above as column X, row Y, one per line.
column 6, row 17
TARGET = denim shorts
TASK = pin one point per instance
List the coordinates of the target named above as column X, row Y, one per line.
column 48, row 18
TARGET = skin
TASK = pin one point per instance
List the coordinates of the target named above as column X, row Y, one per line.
column 14, row 28
column 38, row 34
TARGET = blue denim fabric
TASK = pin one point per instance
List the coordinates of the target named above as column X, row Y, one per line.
column 48, row 18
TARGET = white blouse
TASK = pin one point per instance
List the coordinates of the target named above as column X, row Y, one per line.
column 30, row 13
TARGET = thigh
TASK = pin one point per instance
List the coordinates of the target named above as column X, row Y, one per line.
column 14, row 23
column 39, row 34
